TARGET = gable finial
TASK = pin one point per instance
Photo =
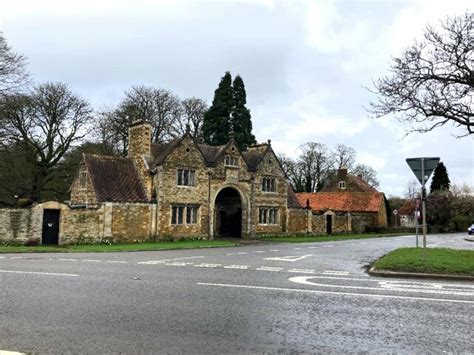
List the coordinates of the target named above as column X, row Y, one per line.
column 269, row 142
column 231, row 133
column 188, row 128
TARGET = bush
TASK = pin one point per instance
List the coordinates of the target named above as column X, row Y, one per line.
column 460, row 223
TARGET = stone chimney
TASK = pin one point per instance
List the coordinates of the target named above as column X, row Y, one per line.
column 139, row 139
column 342, row 173
column 139, row 149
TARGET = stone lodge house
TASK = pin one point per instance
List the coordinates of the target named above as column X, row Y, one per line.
column 345, row 204
column 185, row 189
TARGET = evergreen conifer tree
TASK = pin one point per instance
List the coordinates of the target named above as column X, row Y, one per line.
column 240, row 118
column 440, row 179
column 216, row 124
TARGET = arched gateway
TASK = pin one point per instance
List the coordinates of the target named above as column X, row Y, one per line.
column 228, row 213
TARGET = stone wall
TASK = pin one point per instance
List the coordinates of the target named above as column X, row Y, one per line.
column 20, row 225
column 82, row 194
column 81, row 224
column 131, row 221
column 363, row 220
column 297, row 221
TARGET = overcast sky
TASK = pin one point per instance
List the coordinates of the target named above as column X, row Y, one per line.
column 304, row 63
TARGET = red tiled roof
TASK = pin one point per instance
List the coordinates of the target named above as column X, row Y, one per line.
column 342, row 201
column 115, row 179
column 407, row 209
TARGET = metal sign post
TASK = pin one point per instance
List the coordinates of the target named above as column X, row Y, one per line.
column 417, row 206
column 422, row 168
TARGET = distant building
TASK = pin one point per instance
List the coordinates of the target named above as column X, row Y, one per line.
column 346, row 204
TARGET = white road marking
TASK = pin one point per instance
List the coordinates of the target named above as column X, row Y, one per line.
column 178, row 263
column 297, row 248
column 155, row 262
column 269, row 268
column 6, row 352
column 260, row 251
column 67, row 259
column 91, row 260
column 302, row 271
column 304, row 280
column 313, row 247
column 117, row 262
column 335, row 272
column 273, row 250
column 36, row 273
column 16, row 257
column 241, row 267
column 242, row 253
column 2, row 257
column 207, row 265
column 289, row 258
column 328, row 246
column 368, row 295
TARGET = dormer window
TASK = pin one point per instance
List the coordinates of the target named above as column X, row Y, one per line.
column 342, row 185
column 269, row 184
column 231, row 161
column 186, row 177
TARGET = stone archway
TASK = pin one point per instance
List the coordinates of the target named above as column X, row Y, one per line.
column 228, row 213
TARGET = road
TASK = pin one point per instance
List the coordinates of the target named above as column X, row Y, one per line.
column 264, row 298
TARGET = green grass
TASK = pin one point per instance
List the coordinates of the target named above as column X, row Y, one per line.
column 437, row 261
column 101, row 248
column 326, row 238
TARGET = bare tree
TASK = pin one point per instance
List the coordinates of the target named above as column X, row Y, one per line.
column 315, row 165
column 193, row 115
column 412, row 190
column 432, row 83
column 367, row 174
column 293, row 172
column 13, row 74
column 343, row 157
column 46, row 122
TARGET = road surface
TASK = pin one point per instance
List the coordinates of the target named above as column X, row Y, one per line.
column 264, row 298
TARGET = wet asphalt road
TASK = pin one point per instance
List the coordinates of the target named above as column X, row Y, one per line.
column 266, row 298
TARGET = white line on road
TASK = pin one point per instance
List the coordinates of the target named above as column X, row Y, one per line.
column 36, row 273
column 334, row 293
column 155, row 262
column 117, row 262
column 241, row 267
column 289, row 258
column 302, row 271
column 67, row 259
column 305, row 281
column 208, row 265
column 269, row 268
column 91, row 260
column 16, row 257
column 273, row 250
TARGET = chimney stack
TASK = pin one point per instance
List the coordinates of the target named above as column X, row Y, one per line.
column 139, row 139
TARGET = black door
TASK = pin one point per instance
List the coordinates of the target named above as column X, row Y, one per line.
column 328, row 224
column 50, row 227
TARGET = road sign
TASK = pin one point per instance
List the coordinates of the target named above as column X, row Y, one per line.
column 417, row 165
column 395, row 212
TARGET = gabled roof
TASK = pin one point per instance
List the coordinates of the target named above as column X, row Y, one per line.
column 407, row 209
column 114, row 179
column 255, row 154
column 342, row 201
column 353, row 183
column 293, row 199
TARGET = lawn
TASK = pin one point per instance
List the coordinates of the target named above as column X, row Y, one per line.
column 326, row 238
column 437, row 261
column 101, row 248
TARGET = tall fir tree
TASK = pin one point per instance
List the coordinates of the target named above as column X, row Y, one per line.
column 217, row 120
column 440, row 179
column 240, row 118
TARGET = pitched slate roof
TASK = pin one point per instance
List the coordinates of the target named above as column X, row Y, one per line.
column 211, row 153
column 342, row 201
column 115, row 179
column 354, row 183
column 160, row 151
column 255, row 154
column 293, row 199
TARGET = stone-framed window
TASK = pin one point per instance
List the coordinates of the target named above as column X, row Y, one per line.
column 184, row 214
column 342, row 185
column 83, row 179
column 268, row 184
column 231, row 160
column 186, row 177
column 267, row 215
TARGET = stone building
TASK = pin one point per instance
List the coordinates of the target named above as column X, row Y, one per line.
column 346, row 203
column 185, row 188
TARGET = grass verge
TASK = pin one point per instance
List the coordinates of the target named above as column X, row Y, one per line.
column 326, row 238
column 437, row 261
column 102, row 248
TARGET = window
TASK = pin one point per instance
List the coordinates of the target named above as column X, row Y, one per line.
column 267, row 215
column 178, row 213
column 83, row 179
column 342, row 185
column 231, row 161
column 269, row 184
column 186, row 177
column 191, row 214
